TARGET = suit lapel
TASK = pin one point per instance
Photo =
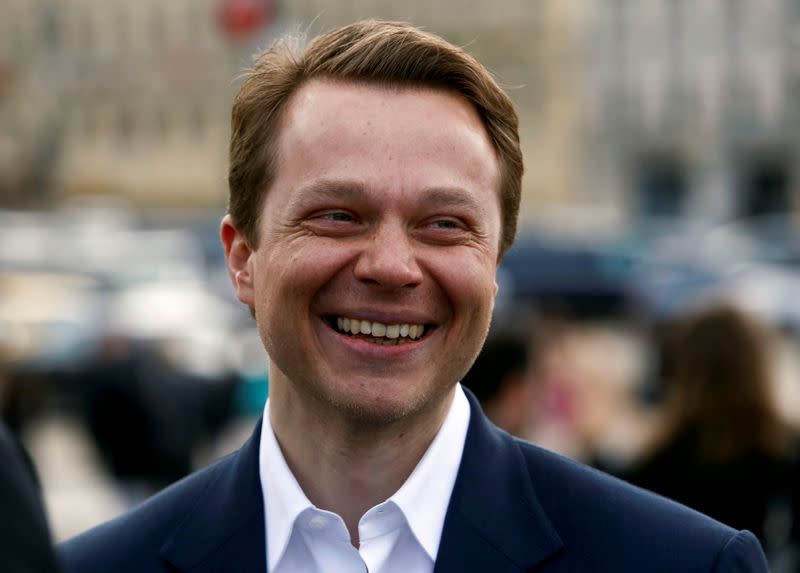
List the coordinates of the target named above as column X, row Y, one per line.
column 225, row 529
column 494, row 521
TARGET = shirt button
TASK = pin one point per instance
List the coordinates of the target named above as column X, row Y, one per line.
column 317, row 522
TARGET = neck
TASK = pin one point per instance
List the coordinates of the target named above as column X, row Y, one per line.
column 345, row 465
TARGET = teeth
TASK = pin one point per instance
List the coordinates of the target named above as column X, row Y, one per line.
column 380, row 330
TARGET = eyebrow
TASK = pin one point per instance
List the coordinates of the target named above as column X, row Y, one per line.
column 452, row 197
column 352, row 190
column 328, row 189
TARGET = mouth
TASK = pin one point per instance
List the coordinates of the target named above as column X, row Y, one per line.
column 379, row 332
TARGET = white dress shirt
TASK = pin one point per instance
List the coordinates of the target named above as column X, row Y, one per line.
column 400, row 535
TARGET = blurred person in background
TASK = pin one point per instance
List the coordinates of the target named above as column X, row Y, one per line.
column 25, row 543
column 500, row 381
column 116, row 413
column 375, row 180
column 147, row 414
column 723, row 449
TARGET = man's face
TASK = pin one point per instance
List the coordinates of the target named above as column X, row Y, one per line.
column 374, row 278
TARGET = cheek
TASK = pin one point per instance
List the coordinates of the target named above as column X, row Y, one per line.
column 292, row 275
column 469, row 285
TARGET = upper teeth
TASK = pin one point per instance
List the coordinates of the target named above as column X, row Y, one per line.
column 379, row 329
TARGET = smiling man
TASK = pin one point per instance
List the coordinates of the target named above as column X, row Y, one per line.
column 374, row 188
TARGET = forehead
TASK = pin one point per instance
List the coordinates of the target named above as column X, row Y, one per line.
column 338, row 129
column 326, row 94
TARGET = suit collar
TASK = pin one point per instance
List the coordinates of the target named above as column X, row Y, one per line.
column 225, row 527
column 495, row 521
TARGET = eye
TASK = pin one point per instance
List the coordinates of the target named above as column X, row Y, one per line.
column 340, row 216
column 445, row 224
column 334, row 223
column 445, row 230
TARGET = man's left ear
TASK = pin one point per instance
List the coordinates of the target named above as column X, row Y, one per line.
column 238, row 260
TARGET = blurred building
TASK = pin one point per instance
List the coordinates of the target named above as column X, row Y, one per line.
column 689, row 107
column 629, row 108
column 132, row 99
column 111, row 97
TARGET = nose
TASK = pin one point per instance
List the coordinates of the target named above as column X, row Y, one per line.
column 388, row 259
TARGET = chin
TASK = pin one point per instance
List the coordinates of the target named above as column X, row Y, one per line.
column 386, row 407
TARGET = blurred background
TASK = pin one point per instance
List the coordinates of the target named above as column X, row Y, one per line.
column 661, row 149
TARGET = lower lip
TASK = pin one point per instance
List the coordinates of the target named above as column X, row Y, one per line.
column 368, row 349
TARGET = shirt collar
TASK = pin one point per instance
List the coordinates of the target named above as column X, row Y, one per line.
column 423, row 498
column 284, row 500
column 425, row 495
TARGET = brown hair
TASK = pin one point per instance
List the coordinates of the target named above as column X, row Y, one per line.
column 386, row 53
column 721, row 391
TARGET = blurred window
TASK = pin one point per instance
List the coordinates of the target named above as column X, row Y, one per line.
column 661, row 185
column 764, row 187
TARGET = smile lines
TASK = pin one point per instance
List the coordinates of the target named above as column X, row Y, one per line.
column 378, row 330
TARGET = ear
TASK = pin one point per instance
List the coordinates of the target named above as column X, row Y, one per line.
column 238, row 260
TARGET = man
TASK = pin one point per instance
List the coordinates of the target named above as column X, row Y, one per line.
column 25, row 544
column 375, row 182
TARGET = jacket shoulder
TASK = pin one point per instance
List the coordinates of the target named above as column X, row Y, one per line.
column 132, row 542
column 624, row 527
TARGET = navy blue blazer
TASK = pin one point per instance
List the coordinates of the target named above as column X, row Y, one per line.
column 514, row 508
